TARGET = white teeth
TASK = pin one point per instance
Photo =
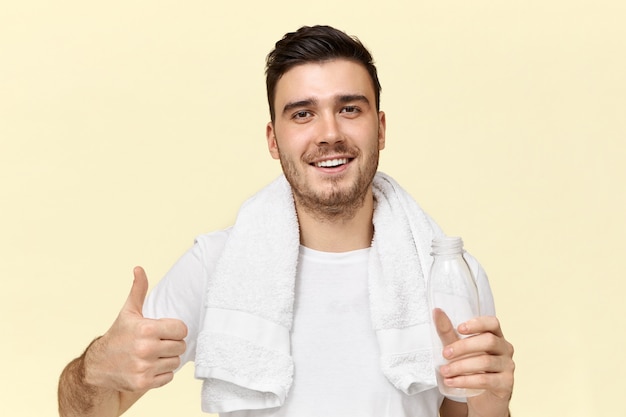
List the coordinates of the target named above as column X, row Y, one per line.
column 332, row 163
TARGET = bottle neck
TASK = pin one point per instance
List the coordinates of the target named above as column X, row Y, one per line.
column 447, row 246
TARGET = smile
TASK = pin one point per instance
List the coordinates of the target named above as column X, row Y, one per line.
column 331, row 163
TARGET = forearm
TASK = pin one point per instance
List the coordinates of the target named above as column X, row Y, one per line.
column 451, row 408
column 79, row 398
column 135, row 355
column 490, row 406
column 497, row 413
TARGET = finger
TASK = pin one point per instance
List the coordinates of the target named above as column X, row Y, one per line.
column 499, row 384
column 481, row 343
column 161, row 369
column 481, row 325
column 134, row 302
column 165, row 365
column 171, row 348
column 469, row 365
column 493, row 382
column 444, row 327
column 171, row 329
column 162, row 379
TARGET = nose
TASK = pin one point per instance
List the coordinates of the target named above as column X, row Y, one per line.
column 330, row 131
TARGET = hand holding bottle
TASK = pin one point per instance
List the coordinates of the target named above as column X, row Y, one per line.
column 482, row 362
column 453, row 299
column 473, row 360
column 471, row 356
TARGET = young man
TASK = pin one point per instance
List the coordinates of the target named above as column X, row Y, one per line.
column 313, row 303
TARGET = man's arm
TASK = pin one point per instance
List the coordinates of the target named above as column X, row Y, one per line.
column 79, row 398
column 451, row 408
column 482, row 361
column 135, row 355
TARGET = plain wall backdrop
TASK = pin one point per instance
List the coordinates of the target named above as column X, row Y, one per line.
column 128, row 128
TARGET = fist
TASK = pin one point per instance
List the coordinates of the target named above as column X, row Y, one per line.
column 136, row 353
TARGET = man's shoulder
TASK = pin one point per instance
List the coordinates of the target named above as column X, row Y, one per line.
column 213, row 242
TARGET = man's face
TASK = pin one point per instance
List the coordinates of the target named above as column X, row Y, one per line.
column 327, row 134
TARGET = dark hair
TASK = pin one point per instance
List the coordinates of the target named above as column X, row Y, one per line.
column 315, row 44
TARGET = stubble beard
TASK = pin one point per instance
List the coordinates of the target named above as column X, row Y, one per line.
column 336, row 203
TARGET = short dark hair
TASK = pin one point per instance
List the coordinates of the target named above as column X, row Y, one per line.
column 315, row 44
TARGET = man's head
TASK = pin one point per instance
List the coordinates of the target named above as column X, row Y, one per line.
column 315, row 44
column 326, row 128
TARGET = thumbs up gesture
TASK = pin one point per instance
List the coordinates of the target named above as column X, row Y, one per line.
column 136, row 353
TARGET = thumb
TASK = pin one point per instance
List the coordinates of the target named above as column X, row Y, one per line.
column 134, row 302
column 444, row 326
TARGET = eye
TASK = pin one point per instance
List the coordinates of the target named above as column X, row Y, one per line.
column 350, row 110
column 302, row 114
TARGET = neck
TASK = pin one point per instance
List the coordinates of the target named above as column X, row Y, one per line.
column 337, row 233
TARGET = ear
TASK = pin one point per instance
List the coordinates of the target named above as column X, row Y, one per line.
column 382, row 126
column 270, row 135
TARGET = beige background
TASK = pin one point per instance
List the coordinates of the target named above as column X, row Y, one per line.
column 127, row 128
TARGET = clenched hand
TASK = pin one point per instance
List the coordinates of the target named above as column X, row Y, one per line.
column 136, row 353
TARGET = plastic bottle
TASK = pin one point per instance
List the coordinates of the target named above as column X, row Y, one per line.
column 451, row 289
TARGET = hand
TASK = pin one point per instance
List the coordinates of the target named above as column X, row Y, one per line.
column 136, row 353
column 482, row 361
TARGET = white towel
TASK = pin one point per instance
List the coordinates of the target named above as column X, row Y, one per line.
column 243, row 351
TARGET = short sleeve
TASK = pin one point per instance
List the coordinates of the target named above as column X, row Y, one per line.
column 181, row 292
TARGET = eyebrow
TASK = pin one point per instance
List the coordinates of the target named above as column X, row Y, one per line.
column 347, row 98
column 300, row 103
column 342, row 99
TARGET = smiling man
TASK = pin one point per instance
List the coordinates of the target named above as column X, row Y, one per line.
column 312, row 303
column 328, row 134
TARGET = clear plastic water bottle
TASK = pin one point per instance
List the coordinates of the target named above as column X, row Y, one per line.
column 452, row 290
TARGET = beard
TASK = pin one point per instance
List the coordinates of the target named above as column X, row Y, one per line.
column 333, row 200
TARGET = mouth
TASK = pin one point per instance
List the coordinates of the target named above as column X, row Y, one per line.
column 331, row 163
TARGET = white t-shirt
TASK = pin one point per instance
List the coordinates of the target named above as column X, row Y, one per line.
column 333, row 345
